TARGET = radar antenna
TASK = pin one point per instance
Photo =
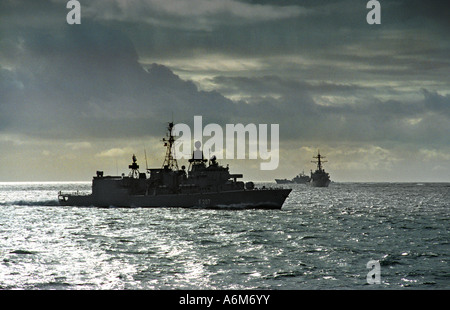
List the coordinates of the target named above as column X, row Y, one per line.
column 134, row 173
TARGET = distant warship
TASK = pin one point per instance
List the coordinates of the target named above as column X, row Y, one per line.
column 202, row 186
column 319, row 178
column 301, row 178
column 284, row 181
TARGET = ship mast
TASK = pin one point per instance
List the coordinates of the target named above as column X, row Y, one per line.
column 319, row 161
column 170, row 161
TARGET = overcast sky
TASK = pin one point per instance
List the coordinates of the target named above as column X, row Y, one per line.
column 375, row 99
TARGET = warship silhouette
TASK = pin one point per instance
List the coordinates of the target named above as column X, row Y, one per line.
column 319, row 178
column 301, row 178
column 202, row 186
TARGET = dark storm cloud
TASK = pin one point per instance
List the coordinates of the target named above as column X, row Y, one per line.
column 322, row 72
column 74, row 82
column 422, row 121
column 87, row 79
column 193, row 14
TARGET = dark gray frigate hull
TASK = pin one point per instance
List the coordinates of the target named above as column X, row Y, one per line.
column 319, row 178
column 201, row 186
column 241, row 199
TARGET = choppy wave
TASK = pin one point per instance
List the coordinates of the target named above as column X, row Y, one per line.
column 48, row 203
column 320, row 239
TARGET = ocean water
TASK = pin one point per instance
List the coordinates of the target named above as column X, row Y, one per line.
column 322, row 238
